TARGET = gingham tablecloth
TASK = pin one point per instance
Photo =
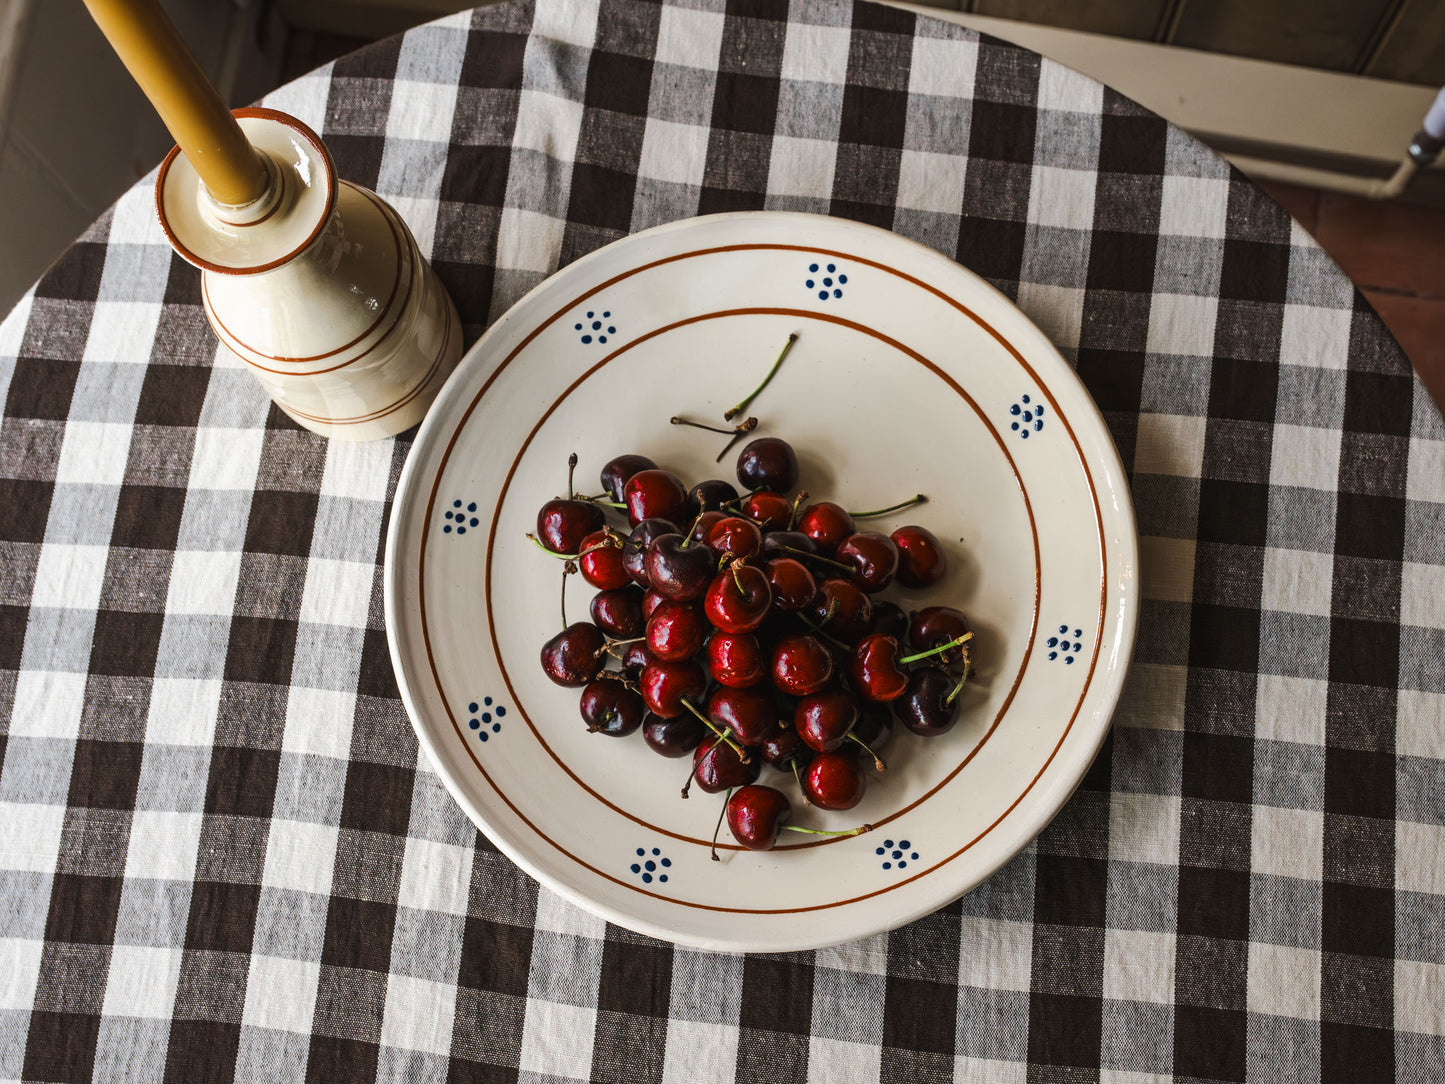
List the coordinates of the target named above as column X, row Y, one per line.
column 221, row 858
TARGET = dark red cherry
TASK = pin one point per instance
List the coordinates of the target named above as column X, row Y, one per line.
column 824, row 719
column 801, row 665
column 651, row 600
column 673, row 737
column 563, row 524
column 771, row 511
column 874, row 670
column 925, row 707
column 716, row 766
column 827, row 524
column 756, row 815
column 736, row 659
column 635, row 656
column 738, row 599
column 788, row 544
column 782, row 748
column 666, row 684
column 710, row 496
column 703, row 524
column 889, row 620
column 875, row 726
column 768, row 463
column 934, row 626
column 610, row 707
column 573, row 657
column 601, row 560
column 634, row 550
column 618, row 612
column 841, row 610
column 734, row 536
column 793, row 585
column 922, row 561
column 679, row 569
column 747, row 713
column 834, row 781
column 873, row 557
column 655, row 494
column 619, row 471
column 676, row 630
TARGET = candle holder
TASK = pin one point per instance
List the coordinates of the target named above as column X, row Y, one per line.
column 314, row 283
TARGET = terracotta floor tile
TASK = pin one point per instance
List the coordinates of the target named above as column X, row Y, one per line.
column 1388, row 245
column 1302, row 203
column 1418, row 324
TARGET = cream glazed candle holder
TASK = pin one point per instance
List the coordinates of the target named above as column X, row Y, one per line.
column 316, row 284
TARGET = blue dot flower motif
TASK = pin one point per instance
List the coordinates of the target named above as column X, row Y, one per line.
column 595, row 327
column 1061, row 646
column 896, row 855
column 458, row 518
column 826, row 280
column 1028, row 416
column 486, row 718
column 651, row 865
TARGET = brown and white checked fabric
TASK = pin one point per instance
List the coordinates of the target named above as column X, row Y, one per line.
column 221, row 859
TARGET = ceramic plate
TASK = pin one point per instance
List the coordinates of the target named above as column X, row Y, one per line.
column 910, row 374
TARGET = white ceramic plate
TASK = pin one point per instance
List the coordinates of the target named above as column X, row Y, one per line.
column 910, row 374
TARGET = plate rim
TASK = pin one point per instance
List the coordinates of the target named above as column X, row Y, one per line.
column 1052, row 798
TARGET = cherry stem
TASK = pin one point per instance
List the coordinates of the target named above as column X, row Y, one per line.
column 959, row 687
column 918, row 498
column 819, row 832
column 722, row 735
column 814, row 556
column 550, row 553
column 797, row 504
column 735, row 411
column 818, row 631
column 571, row 466
column 878, row 762
column 679, row 420
column 688, row 540
column 567, row 570
column 793, row 763
column 692, row 773
column 718, row 827
column 940, row 649
column 605, row 504
column 741, row 431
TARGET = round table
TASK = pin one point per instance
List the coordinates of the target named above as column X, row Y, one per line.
column 221, row 858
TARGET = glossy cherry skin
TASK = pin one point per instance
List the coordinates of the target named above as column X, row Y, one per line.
column 824, row 719
column 924, row 707
column 716, row 766
column 679, row 569
column 827, row 524
column 801, row 665
column 787, row 544
column 710, row 496
column 771, row 511
column 601, row 560
column 573, row 657
column 873, row 557
column 734, row 536
column 618, row 612
column 563, row 524
column 703, row 524
column 634, row 550
column 655, row 494
column 875, row 726
column 934, row 626
column 610, row 707
column 768, row 463
column 834, row 781
column 738, row 599
column 651, row 600
column 756, row 815
column 922, row 561
column 889, row 619
column 874, row 670
column 851, row 610
column 782, row 748
column 635, row 657
column 617, row 473
column 736, row 659
column 747, row 713
column 676, row 630
column 673, row 737
column 666, row 684
column 793, row 585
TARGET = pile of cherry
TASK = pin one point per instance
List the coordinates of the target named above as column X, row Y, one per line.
column 744, row 629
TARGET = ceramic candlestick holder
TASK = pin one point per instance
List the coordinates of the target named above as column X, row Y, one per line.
column 317, row 285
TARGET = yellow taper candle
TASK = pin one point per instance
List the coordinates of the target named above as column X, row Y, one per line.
column 149, row 45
